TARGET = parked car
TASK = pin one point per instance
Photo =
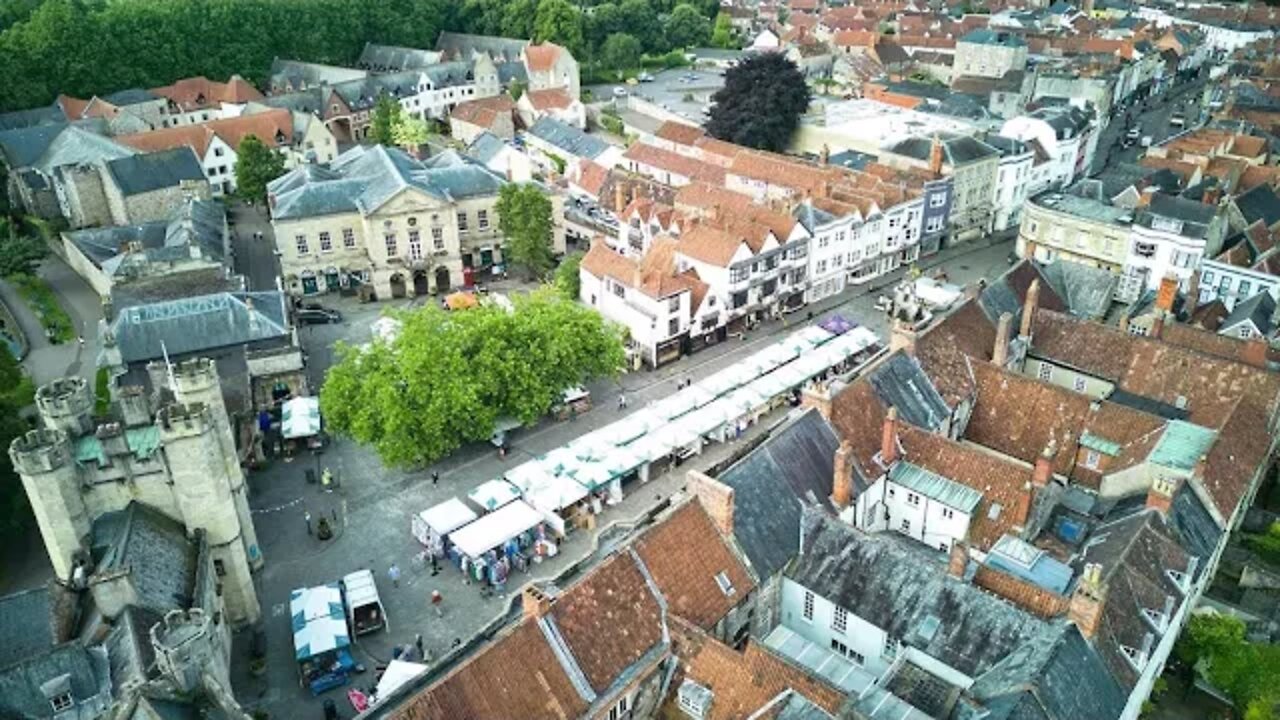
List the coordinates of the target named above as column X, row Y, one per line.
column 619, row 92
column 1133, row 134
column 1177, row 119
column 318, row 316
column 645, row 77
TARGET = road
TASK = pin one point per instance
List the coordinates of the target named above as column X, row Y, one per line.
column 255, row 259
column 375, row 502
column 1153, row 121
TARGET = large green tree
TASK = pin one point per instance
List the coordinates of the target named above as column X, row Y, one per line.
column 20, row 252
column 640, row 19
column 387, row 113
column 448, row 376
column 568, row 279
column 687, row 27
column 256, row 165
column 524, row 216
column 620, row 52
column 559, row 22
column 16, row 392
column 722, row 34
column 410, row 132
column 760, row 104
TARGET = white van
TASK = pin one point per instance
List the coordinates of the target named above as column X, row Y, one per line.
column 365, row 612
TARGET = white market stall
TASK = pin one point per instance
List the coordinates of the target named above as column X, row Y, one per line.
column 433, row 525
column 320, row 637
column 491, row 495
column 488, row 548
column 300, row 418
column 397, row 674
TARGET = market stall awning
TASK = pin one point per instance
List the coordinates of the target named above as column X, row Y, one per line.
column 557, row 493
column 493, row 494
column 725, row 380
column 461, row 301
column 681, row 402
column 307, row 604
column 320, row 636
column 496, row 528
column 397, row 674
column 447, row 516
column 528, row 475
column 837, row 325
column 300, row 418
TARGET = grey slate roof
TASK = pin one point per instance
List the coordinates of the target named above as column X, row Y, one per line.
column 811, row 217
column 50, row 114
column 568, row 138
column 461, row 46
column 1087, row 290
column 1260, row 203
column 197, row 231
column 45, row 147
column 132, row 96
column 195, row 324
column 138, row 174
column 129, row 647
column 363, row 178
column 156, row 551
column 20, row 694
column 1259, row 310
column 1066, row 120
column 903, row 588
column 297, row 73
column 957, row 150
column 901, row 382
column 789, row 470
column 486, row 147
column 26, row 624
column 986, row 36
column 390, row 57
column 1196, row 529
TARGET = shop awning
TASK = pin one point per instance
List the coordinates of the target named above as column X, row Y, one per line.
column 447, row 516
column 300, row 418
column 557, row 493
column 319, row 623
column 493, row 494
column 528, row 475
column 496, row 528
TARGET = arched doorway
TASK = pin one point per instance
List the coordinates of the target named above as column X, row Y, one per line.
column 442, row 280
column 421, row 284
column 397, row 286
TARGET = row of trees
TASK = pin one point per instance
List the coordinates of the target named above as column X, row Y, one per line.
column 449, row 376
column 83, row 47
column 1247, row 672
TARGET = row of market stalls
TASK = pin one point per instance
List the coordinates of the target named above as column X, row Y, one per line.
column 517, row 518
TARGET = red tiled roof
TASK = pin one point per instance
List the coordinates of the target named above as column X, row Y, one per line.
column 945, row 349
column 549, row 99
column 485, row 111
column 855, row 38
column 201, row 92
column 609, row 620
column 684, row 553
column 680, row 133
column 267, row 126
column 675, row 163
column 592, row 177
column 708, row 244
column 541, row 58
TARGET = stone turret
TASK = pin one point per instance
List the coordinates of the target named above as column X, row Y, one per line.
column 205, row 495
column 190, row 647
column 66, row 404
column 52, row 482
column 196, row 381
column 135, row 410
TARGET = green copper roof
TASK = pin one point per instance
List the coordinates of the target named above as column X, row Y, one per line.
column 1102, row 445
column 935, row 487
column 89, row 449
column 1182, row 444
column 143, row 443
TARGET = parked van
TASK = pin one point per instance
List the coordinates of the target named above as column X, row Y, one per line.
column 365, row 612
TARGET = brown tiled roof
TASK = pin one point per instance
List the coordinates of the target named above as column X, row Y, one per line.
column 201, row 92
column 71, row 106
column 684, row 553
column 518, row 676
column 783, row 171
column 858, row 417
column 720, row 148
column 265, row 125
column 609, row 620
column 701, row 196
column 855, row 38
column 542, row 57
column 674, row 162
column 679, row 132
column 1154, row 369
column 1236, row 456
column 1256, row 175
column 944, row 350
column 658, row 278
column 485, row 111
column 549, row 99
column 1248, row 146
column 742, row 682
column 708, row 244
column 1002, row 482
column 592, row 176
column 602, row 261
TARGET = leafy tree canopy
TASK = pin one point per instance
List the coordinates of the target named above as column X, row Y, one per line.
column 409, row 132
column 568, row 281
column 559, row 22
column 621, row 52
column 687, row 27
column 256, row 165
column 722, row 34
column 387, row 113
column 449, row 376
column 20, row 253
column 524, row 216
column 16, row 392
column 760, row 104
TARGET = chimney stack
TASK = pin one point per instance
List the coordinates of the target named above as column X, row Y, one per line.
column 1044, row 465
column 889, row 438
column 1085, row 609
column 1211, row 196
column 842, row 481
column 619, row 197
column 1160, row 494
column 1168, row 293
column 716, row 499
column 1022, row 511
column 534, row 602
column 935, row 156
column 1157, row 324
column 1193, row 291
column 1255, row 352
column 959, row 558
column 1029, row 306
column 817, row 395
column 1124, row 321
column 1000, row 353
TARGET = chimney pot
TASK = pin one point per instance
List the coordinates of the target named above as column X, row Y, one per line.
column 534, row 602
column 842, row 482
column 1168, row 293
column 1044, row 465
column 889, row 438
column 1000, row 353
column 1029, row 306
column 959, row 559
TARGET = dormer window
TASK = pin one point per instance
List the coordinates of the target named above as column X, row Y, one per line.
column 62, row 703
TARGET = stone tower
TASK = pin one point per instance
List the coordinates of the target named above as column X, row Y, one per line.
column 67, row 404
column 196, row 382
column 52, row 482
column 191, row 646
column 205, row 494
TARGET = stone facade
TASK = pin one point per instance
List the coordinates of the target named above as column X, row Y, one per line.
column 183, row 464
column 84, row 199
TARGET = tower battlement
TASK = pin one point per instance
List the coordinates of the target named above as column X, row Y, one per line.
column 40, row 451
column 67, row 404
column 187, row 647
column 195, row 376
column 184, row 420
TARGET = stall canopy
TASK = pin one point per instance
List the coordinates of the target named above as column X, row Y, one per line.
column 495, row 528
column 300, row 418
column 837, row 325
column 447, row 516
column 397, row 674
column 319, row 623
column 493, row 494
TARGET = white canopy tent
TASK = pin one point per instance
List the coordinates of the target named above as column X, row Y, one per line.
column 397, row 674
column 300, row 418
column 496, row 528
column 493, row 494
column 318, row 620
column 442, row 519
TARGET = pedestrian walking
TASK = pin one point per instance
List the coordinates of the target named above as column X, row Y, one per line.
column 437, row 601
column 393, row 573
column 307, row 516
column 417, row 641
column 435, row 566
column 622, row 402
column 80, row 339
column 435, row 477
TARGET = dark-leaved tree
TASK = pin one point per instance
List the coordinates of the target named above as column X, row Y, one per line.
column 256, row 165
column 760, row 104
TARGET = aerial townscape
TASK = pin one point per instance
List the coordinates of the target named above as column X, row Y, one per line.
column 631, row 359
